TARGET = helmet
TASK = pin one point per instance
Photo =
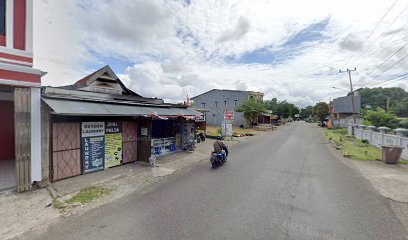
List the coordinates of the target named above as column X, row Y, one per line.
column 218, row 137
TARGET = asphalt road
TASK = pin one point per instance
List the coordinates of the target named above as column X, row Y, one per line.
column 283, row 185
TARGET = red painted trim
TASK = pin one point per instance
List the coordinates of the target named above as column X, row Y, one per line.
column 19, row 76
column 19, row 24
column 17, row 58
column 2, row 40
column 7, row 130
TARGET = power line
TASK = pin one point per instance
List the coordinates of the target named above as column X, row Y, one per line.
column 383, row 62
column 390, row 67
column 386, row 13
column 389, row 80
column 395, row 19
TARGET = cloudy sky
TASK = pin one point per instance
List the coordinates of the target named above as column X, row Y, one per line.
column 288, row 49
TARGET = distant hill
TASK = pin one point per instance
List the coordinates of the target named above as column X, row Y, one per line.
column 378, row 97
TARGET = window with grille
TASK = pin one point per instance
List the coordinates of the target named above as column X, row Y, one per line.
column 2, row 22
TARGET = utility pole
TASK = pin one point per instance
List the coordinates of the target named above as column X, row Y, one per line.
column 351, row 91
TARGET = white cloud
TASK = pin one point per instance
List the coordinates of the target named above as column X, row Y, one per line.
column 241, row 28
column 177, row 49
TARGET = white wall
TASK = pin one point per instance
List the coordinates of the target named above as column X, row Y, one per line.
column 35, row 134
column 378, row 139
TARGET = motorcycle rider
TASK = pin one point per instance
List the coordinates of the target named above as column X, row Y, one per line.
column 220, row 147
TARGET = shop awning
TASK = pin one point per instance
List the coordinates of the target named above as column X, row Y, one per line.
column 85, row 108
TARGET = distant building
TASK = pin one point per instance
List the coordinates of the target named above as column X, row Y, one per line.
column 341, row 110
column 217, row 101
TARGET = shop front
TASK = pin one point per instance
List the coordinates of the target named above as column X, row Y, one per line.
column 98, row 123
column 166, row 136
column 86, row 140
column 86, row 144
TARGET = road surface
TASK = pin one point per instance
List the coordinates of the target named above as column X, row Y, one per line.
column 283, row 185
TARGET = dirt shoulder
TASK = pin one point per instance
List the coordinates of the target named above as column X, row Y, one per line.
column 390, row 181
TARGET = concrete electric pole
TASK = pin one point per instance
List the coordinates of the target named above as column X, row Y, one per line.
column 351, row 91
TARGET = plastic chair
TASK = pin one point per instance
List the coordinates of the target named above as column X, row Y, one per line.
column 157, row 151
column 172, row 147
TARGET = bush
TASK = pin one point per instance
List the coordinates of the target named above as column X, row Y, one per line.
column 380, row 118
column 365, row 141
column 219, row 131
column 403, row 124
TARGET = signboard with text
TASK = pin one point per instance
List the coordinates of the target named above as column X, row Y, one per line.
column 226, row 128
column 92, row 146
column 113, row 144
column 229, row 115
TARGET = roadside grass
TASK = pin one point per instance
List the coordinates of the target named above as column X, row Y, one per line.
column 88, row 194
column 354, row 148
column 58, row 204
column 236, row 131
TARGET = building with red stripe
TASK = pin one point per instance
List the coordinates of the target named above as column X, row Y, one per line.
column 20, row 83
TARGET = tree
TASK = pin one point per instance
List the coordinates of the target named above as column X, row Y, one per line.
column 282, row 109
column 401, row 108
column 321, row 110
column 306, row 112
column 251, row 109
column 380, row 118
column 272, row 104
column 385, row 98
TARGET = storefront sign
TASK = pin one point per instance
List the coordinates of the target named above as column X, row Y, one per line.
column 92, row 146
column 113, row 144
column 92, row 129
column 229, row 115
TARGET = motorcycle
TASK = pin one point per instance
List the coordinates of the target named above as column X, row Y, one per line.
column 218, row 159
column 200, row 137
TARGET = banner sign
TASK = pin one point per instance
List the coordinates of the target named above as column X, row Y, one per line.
column 229, row 115
column 113, row 144
column 92, row 146
column 92, row 129
column 187, row 130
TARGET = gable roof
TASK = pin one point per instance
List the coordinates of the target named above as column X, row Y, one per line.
column 100, row 73
column 226, row 90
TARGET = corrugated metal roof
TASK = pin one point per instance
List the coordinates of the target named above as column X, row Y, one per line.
column 83, row 108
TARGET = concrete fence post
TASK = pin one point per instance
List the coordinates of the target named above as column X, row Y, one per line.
column 350, row 129
column 371, row 130
column 383, row 131
column 354, row 127
column 400, row 132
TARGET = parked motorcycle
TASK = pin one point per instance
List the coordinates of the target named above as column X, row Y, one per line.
column 200, row 137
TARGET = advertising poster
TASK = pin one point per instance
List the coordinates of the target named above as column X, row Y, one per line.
column 188, row 130
column 92, row 146
column 113, row 144
column 226, row 128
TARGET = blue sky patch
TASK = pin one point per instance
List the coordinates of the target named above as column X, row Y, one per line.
column 118, row 65
column 290, row 49
column 313, row 32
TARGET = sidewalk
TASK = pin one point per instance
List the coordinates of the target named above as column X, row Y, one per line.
column 33, row 210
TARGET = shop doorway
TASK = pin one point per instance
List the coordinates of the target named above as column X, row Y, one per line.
column 7, row 147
